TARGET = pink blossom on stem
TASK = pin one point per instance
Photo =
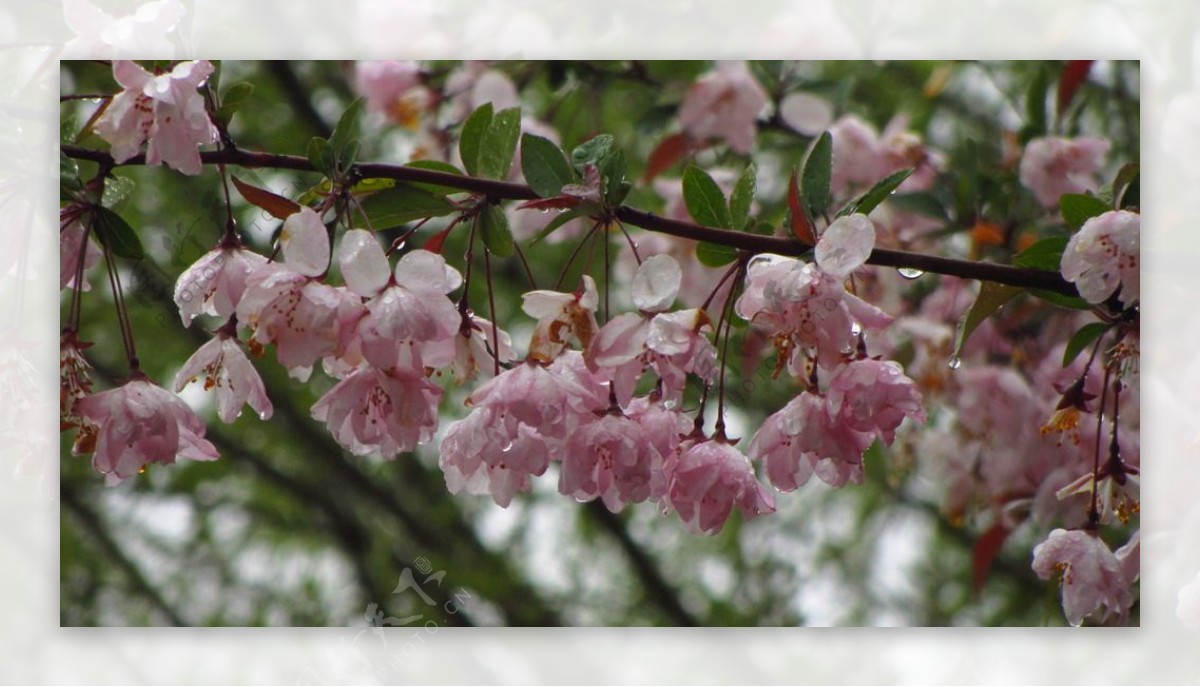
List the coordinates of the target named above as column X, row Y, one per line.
column 709, row 479
column 226, row 368
column 381, row 412
column 1093, row 580
column 845, row 245
column 1051, row 167
column 413, row 315
column 1104, row 255
column 165, row 110
column 141, row 423
column 610, row 458
column 215, row 283
column 478, row 456
column 298, row 315
column 874, row 396
column 724, row 104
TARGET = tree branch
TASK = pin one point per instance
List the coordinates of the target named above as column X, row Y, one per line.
column 90, row 519
column 753, row 243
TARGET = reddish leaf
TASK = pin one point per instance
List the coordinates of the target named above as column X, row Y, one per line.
column 666, row 154
column 277, row 205
column 1073, row 77
column 435, row 243
column 987, row 547
column 563, row 202
column 802, row 227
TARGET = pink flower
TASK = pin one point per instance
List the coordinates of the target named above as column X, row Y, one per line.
column 1092, row 577
column 479, row 457
column 298, row 315
column 678, row 345
column 165, row 110
column 1104, row 255
column 610, row 458
column 305, row 243
column 805, row 309
column 862, row 158
column 724, row 104
column 804, row 438
column 413, row 319
column 380, row 412
column 874, row 396
column 710, row 478
column 393, row 88
column 474, row 350
column 70, row 244
column 75, row 381
column 142, row 423
column 1052, row 166
column 226, row 367
column 214, row 284
column 562, row 317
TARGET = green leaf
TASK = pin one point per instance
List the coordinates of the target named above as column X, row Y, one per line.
column 320, row 154
column 114, row 232
column 493, row 226
column 1061, row 300
column 558, row 221
column 435, row 166
column 1126, row 177
column 876, row 194
column 69, row 182
column 1035, row 105
column 470, row 140
column 613, row 186
column 743, row 197
column 234, row 98
column 496, row 155
column 1043, row 255
column 704, row 199
column 714, row 254
column 1078, row 208
column 1082, row 339
column 545, row 166
column 992, row 296
column 592, row 150
column 814, row 179
column 404, row 203
column 116, row 189
column 342, row 141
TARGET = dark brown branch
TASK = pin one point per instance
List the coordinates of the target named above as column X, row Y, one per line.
column 753, row 243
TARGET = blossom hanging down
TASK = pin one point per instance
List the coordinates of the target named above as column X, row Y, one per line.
column 142, row 423
column 710, row 478
column 164, row 110
column 1095, row 581
column 804, row 306
column 1104, row 255
column 226, row 368
column 214, row 284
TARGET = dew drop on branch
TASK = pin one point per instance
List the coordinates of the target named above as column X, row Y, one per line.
column 910, row 272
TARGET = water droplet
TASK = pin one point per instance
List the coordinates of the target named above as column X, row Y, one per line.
column 955, row 362
column 508, row 444
column 561, row 210
column 855, row 328
column 910, row 273
column 543, row 210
